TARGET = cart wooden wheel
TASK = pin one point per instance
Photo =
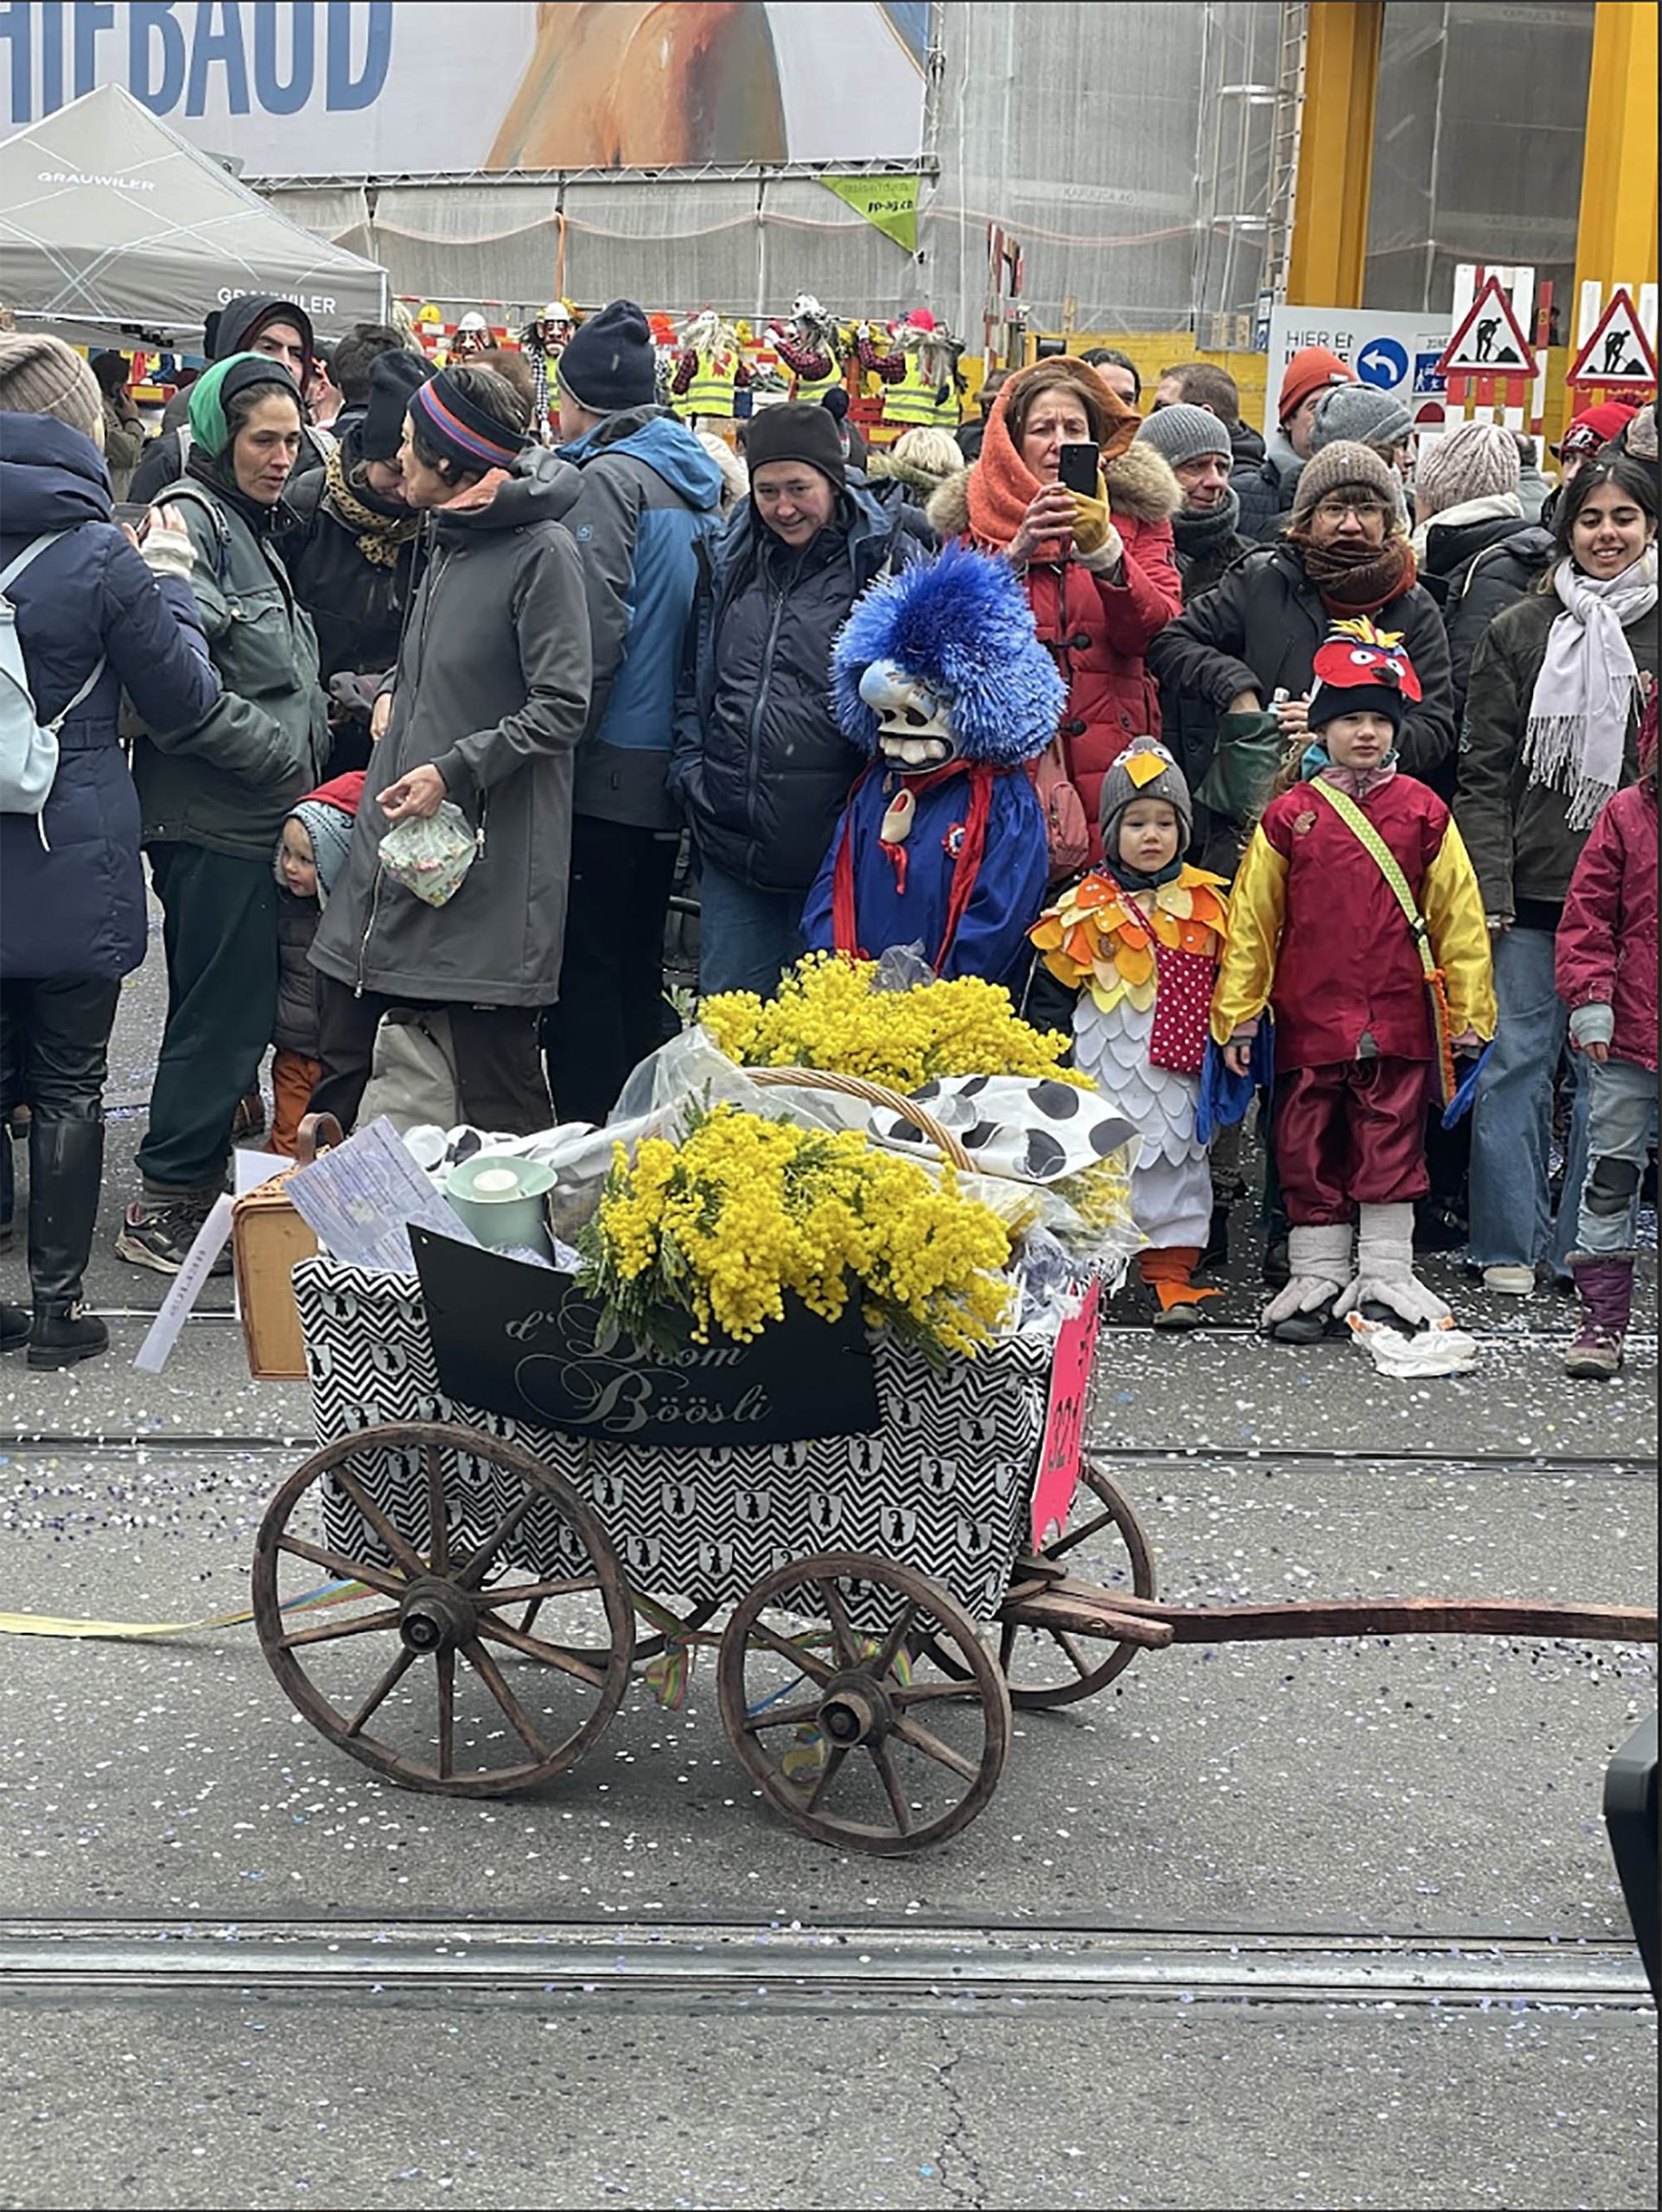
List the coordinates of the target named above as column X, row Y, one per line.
column 1101, row 1543
column 829, row 1722
column 422, row 1642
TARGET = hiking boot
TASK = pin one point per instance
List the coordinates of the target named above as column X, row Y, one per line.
column 63, row 1334
column 13, row 1327
column 1604, row 1283
column 160, row 1236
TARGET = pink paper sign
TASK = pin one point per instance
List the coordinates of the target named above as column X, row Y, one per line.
column 1070, row 1383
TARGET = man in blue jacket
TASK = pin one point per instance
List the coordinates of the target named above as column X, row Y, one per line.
column 649, row 493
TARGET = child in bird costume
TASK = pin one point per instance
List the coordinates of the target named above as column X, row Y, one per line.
column 938, row 679
column 1139, row 939
column 1356, row 920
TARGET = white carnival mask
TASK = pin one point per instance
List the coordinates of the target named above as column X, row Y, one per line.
column 914, row 723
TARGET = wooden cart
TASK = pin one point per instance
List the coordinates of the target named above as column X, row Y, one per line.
column 459, row 1602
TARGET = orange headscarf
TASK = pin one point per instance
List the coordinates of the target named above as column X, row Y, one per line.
column 1002, row 486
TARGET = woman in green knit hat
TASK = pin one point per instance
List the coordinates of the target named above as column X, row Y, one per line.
column 214, row 797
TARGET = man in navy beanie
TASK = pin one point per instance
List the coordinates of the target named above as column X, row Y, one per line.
column 649, row 494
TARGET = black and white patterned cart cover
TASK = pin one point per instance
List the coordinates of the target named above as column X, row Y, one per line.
column 944, row 1485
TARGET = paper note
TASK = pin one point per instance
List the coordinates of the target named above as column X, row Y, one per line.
column 163, row 1331
column 360, row 1198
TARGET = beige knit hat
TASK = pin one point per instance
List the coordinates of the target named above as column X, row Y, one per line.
column 40, row 375
column 1479, row 460
column 1347, row 467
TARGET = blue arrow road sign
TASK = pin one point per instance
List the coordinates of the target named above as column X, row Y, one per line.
column 1382, row 361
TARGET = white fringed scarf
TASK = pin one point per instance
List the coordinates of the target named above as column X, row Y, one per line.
column 1586, row 692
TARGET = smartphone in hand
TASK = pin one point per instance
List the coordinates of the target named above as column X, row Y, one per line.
column 136, row 513
column 1079, row 466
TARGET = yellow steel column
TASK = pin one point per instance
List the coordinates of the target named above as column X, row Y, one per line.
column 1329, row 254
column 1616, row 243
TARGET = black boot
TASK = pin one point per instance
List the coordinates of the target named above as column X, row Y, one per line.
column 8, row 1187
column 65, row 1175
column 15, row 1326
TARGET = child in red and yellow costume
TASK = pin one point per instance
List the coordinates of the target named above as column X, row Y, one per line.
column 1139, row 939
column 1356, row 920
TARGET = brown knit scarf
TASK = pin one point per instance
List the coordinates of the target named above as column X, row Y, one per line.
column 381, row 537
column 1357, row 579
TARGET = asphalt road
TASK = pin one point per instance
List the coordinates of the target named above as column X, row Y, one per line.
column 1314, row 1924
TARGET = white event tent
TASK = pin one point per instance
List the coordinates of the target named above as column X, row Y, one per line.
column 111, row 224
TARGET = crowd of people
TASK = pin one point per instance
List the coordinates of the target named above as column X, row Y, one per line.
column 1356, row 754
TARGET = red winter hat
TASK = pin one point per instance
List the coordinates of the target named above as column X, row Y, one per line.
column 1594, row 426
column 921, row 319
column 1310, row 368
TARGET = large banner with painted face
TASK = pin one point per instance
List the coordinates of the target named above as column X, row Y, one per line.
column 400, row 87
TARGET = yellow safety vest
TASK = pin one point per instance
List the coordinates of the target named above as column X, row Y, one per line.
column 810, row 391
column 912, row 399
column 710, row 392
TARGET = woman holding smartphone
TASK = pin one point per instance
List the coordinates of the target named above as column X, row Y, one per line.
column 1086, row 516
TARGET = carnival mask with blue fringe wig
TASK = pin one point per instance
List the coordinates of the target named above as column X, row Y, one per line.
column 942, row 662
column 939, row 677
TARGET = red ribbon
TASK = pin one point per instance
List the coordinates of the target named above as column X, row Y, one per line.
column 846, row 928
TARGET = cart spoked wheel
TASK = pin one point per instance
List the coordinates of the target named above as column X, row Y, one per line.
column 408, row 1652
column 1103, row 1543
column 833, row 1722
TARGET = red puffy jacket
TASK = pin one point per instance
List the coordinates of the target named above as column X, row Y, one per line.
column 1606, row 950
column 1099, row 630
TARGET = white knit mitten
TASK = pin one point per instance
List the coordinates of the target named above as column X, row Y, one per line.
column 167, row 552
column 1385, row 1270
column 1319, row 1260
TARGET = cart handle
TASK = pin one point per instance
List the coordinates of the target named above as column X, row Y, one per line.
column 875, row 1094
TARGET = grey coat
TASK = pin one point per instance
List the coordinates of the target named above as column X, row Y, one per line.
column 491, row 689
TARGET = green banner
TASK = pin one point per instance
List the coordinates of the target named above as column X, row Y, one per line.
column 889, row 202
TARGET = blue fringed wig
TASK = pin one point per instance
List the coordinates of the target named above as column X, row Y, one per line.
column 938, row 679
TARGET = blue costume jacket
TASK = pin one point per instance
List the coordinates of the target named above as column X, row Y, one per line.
column 904, row 894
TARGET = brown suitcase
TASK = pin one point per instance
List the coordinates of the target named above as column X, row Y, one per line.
column 267, row 1237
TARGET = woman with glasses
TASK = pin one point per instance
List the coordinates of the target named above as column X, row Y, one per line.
column 1252, row 641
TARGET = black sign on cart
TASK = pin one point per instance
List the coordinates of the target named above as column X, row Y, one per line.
column 527, row 1342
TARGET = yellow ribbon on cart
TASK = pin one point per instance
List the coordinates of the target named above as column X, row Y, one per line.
column 327, row 1593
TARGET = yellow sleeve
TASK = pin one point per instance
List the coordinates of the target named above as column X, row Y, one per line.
column 1247, row 970
column 1459, row 935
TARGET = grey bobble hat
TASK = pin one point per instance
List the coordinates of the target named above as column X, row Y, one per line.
column 1181, row 433
column 1121, row 789
column 1347, row 467
column 1362, row 413
column 40, row 375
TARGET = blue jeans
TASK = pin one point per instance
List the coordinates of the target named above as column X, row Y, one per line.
column 747, row 938
column 1619, row 1128
column 1511, row 1206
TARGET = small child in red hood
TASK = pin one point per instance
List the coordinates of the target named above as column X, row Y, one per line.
column 311, row 852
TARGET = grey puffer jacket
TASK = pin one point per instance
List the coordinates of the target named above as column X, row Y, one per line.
column 226, row 781
column 492, row 689
column 296, row 1029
